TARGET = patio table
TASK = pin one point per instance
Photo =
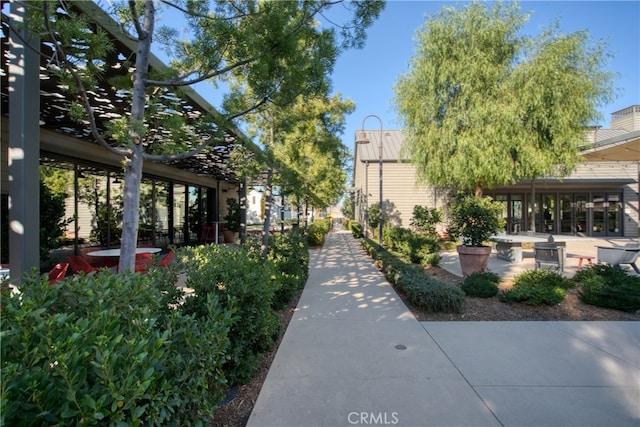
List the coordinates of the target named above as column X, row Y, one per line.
column 116, row 252
column 509, row 247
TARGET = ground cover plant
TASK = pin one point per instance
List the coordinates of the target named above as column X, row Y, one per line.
column 535, row 287
column 481, row 284
column 609, row 286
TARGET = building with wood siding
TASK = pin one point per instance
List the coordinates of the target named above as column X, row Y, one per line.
column 599, row 199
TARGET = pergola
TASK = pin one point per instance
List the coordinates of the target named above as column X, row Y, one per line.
column 36, row 125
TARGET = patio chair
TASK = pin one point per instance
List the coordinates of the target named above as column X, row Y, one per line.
column 617, row 255
column 549, row 256
column 143, row 261
column 58, row 272
column 78, row 264
column 167, row 259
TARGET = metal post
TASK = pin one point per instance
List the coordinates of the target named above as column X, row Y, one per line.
column 361, row 138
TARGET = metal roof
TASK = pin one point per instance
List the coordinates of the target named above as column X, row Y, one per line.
column 610, row 145
column 391, row 145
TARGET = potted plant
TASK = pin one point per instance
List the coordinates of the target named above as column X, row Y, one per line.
column 474, row 220
column 231, row 220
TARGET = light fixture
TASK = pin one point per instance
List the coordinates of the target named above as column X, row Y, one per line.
column 361, row 136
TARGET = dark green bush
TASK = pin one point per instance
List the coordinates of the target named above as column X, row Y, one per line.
column 317, row 230
column 290, row 256
column 415, row 247
column 107, row 349
column 429, row 258
column 356, row 229
column 422, row 291
column 609, row 286
column 425, row 219
column 482, row 284
column 245, row 284
column 537, row 287
column 433, row 295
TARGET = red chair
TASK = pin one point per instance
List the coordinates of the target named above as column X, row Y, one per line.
column 78, row 264
column 58, row 272
column 168, row 258
column 143, row 261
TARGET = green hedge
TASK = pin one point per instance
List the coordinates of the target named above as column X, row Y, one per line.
column 132, row 349
column 423, row 291
column 418, row 248
column 537, row 287
column 245, row 285
column 356, row 229
column 317, row 230
column 289, row 254
column 609, row 286
column 106, row 349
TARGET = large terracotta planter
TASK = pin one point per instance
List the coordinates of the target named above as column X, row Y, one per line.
column 473, row 258
column 229, row 236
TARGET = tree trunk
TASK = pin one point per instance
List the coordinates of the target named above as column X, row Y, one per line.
column 478, row 192
column 532, row 218
column 133, row 163
column 131, row 209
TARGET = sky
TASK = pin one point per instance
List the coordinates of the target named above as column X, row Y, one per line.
column 367, row 76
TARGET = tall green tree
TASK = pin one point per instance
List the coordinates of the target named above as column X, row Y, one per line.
column 278, row 48
column 312, row 149
column 483, row 105
column 304, row 150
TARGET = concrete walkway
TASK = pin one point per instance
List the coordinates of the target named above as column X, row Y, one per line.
column 354, row 354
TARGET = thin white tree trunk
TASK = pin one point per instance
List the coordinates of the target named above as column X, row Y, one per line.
column 133, row 163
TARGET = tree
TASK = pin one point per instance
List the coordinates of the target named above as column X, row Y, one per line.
column 306, row 157
column 277, row 47
column 483, row 106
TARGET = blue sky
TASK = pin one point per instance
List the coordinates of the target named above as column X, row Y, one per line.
column 367, row 76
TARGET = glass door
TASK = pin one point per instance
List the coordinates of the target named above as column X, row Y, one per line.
column 614, row 215
column 515, row 218
column 599, row 214
column 581, row 213
column 548, row 219
column 566, row 214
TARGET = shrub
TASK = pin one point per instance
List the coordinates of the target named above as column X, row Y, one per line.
column 289, row 254
column 356, row 229
column 482, row 284
column 317, row 230
column 245, row 285
column 414, row 247
column 537, row 287
column 425, row 219
column 474, row 219
column 433, row 295
column 430, row 259
column 103, row 348
column 373, row 213
column 609, row 286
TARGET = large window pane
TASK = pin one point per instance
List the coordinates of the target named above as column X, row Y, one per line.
column 162, row 209
column 598, row 214
column 613, row 213
column 566, row 210
column 179, row 213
